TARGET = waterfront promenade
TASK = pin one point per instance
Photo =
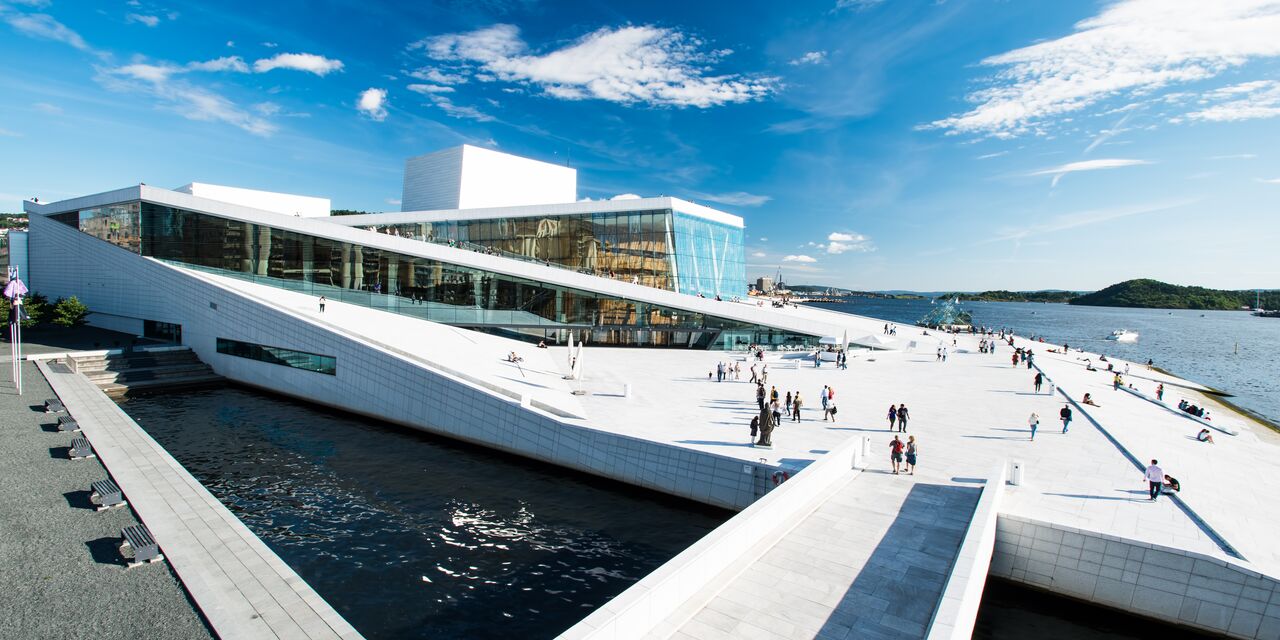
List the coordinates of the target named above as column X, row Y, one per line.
column 57, row 556
column 239, row 585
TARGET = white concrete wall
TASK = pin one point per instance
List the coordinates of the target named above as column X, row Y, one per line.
column 962, row 596
column 655, row 604
column 1168, row 584
column 494, row 179
column 123, row 324
column 432, row 181
column 468, row 177
column 371, row 381
column 284, row 203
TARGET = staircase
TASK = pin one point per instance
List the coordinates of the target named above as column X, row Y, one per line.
column 118, row 374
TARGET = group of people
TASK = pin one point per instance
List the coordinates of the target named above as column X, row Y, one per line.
column 899, row 450
column 1199, row 412
column 1160, row 482
column 1021, row 355
column 890, row 329
column 1064, row 415
column 898, row 417
column 986, row 346
column 728, row 371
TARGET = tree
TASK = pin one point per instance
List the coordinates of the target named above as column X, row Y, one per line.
column 69, row 312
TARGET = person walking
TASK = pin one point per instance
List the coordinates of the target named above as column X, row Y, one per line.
column 776, row 409
column 1155, row 478
column 944, row 354
column 1039, row 379
column 787, row 405
column 902, row 418
column 1034, row 423
column 322, row 301
column 895, row 454
column 893, row 416
column 911, row 454
column 829, row 411
column 822, row 397
column 1160, row 392
column 1065, row 416
column 760, row 395
column 795, row 407
column 773, row 393
column 754, row 377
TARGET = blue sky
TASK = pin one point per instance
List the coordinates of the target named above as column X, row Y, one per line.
column 869, row 144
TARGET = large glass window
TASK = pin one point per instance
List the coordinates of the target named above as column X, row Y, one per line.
column 436, row 290
column 118, row 224
column 276, row 355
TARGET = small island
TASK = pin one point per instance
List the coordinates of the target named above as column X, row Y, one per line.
column 1153, row 294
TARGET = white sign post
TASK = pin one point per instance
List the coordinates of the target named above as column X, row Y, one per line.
column 14, row 291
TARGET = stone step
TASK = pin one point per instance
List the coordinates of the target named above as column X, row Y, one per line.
column 116, row 390
column 151, row 373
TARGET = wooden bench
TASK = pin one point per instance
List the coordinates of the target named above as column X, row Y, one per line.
column 138, row 538
column 53, row 405
column 67, row 423
column 81, row 449
column 106, row 494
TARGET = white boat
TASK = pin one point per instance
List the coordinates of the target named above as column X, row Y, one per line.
column 1123, row 335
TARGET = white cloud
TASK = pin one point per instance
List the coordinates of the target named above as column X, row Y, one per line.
column 45, row 107
column 39, row 25
column 226, row 63
column 1132, row 49
column 987, row 156
column 427, row 89
column 231, row 43
column 1081, row 219
column 437, row 76
column 150, row 21
column 763, row 239
column 1086, row 165
column 5, row 133
column 631, row 64
column 811, row 57
column 35, row 4
column 799, row 258
column 758, row 254
column 735, row 198
column 270, row 45
column 182, row 97
column 1235, row 156
column 857, row 5
column 839, row 242
column 1245, row 101
column 395, row 202
column 373, row 103
column 1270, row 181
column 309, row 62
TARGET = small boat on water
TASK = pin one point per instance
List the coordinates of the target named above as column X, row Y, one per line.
column 1123, row 335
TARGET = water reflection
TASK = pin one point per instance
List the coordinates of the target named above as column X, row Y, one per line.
column 413, row 537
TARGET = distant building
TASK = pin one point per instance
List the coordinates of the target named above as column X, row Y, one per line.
column 764, row 284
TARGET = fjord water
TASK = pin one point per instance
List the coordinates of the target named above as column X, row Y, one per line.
column 410, row 536
column 1232, row 351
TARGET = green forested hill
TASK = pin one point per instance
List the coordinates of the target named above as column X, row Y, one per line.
column 1154, row 294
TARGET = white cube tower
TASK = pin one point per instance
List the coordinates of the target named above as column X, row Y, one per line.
column 468, row 177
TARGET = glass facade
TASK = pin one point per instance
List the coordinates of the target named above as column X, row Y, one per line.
column 657, row 248
column 421, row 287
column 276, row 355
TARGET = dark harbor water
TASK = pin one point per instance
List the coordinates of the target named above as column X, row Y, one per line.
column 410, row 536
column 1232, row 351
column 1012, row 612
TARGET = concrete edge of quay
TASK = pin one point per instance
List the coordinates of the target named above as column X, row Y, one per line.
column 196, row 533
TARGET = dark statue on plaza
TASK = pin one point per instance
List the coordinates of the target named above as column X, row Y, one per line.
column 766, row 426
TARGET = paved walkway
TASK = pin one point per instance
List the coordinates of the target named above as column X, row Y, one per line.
column 241, row 586
column 870, row 562
column 58, row 560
